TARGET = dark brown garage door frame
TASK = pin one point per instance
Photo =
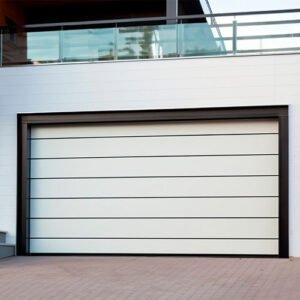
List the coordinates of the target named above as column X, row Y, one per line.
column 25, row 121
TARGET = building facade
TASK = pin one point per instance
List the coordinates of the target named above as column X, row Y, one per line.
column 151, row 132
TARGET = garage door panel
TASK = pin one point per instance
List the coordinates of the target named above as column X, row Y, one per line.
column 156, row 187
column 176, row 187
column 154, row 228
column 156, row 166
column 155, row 207
column 157, row 128
column 156, row 146
column 113, row 246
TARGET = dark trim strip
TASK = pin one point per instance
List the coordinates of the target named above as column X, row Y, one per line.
column 131, row 254
column 151, row 136
column 149, row 177
column 22, row 188
column 28, row 190
column 25, row 121
column 284, row 186
column 228, row 113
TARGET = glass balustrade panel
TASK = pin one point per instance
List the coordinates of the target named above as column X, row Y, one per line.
column 151, row 41
column 43, row 47
column 88, row 44
column 198, row 39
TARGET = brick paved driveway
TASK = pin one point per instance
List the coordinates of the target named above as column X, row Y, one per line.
column 148, row 278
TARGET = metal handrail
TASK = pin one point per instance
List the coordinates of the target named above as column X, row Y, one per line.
column 157, row 19
column 282, row 22
column 255, row 37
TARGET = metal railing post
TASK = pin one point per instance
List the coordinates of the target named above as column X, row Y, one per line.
column 234, row 37
column 172, row 11
column 179, row 37
column 116, row 42
column 61, row 45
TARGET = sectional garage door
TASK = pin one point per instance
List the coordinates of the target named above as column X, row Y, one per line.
column 183, row 187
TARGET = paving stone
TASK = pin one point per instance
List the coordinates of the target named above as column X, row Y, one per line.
column 153, row 278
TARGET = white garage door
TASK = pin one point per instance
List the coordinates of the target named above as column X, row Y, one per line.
column 199, row 187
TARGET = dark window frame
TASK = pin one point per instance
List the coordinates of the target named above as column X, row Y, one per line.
column 25, row 121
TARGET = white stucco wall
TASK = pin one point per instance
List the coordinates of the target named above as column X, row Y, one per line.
column 176, row 83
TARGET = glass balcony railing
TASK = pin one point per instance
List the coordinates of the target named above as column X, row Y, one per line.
column 156, row 38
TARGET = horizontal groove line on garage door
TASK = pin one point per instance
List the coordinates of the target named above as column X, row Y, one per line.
column 153, row 197
column 141, row 218
column 150, row 136
column 142, row 177
column 153, row 156
column 140, row 238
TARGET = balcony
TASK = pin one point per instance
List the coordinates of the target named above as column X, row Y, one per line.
column 253, row 33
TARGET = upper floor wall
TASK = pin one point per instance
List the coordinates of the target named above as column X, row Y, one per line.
column 149, row 84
